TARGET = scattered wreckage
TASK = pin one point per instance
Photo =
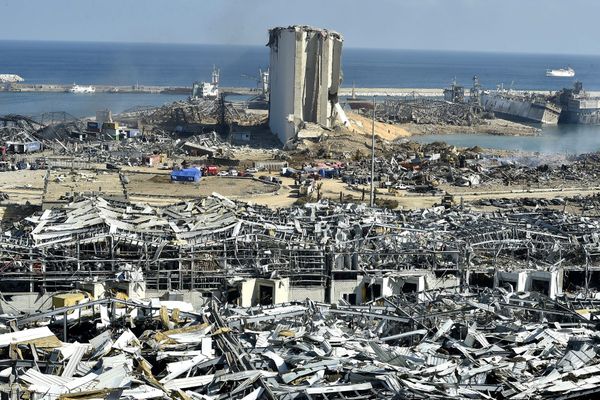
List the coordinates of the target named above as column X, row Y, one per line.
column 428, row 111
column 477, row 344
column 199, row 245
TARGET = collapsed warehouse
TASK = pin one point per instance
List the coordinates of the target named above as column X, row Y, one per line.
column 422, row 304
column 324, row 251
column 462, row 346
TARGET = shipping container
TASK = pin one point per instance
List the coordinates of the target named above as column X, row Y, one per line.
column 93, row 126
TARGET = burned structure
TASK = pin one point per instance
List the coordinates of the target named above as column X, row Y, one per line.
column 305, row 75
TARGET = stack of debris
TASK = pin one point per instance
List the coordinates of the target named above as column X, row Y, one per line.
column 427, row 111
column 18, row 134
column 477, row 344
column 201, row 244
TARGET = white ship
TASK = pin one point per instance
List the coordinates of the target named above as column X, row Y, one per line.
column 206, row 90
column 561, row 72
column 82, row 89
column 10, row 78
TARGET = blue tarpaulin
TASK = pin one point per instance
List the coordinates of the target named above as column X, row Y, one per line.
column 186, row 175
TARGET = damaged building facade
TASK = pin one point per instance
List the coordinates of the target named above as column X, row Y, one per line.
column 305, row 75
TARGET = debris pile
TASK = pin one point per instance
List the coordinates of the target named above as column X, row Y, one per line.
column 199, row 244
column 426, row 111
column 477, row 344
column 18, row 129
column 178, row 113
column 404, row 165
column 191, row 115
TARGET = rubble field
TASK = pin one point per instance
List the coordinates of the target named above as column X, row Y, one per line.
column 475, row 275
column 444, row 345
column 216, row 298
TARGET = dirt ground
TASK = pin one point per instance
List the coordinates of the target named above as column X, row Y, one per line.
column 157, row 187
column 23, row 186
column 67, row 182
column 390, row 132
column 364, row 126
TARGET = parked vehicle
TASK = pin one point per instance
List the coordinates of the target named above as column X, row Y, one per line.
column 211, row 170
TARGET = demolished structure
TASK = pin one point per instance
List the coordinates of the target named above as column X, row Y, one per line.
column 322, row 251
column 479, row 344
column 305, row 75
column 315, row 302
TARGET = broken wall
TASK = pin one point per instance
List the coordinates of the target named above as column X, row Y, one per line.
column 257, row 291
column 301, row 293
column 344, row 285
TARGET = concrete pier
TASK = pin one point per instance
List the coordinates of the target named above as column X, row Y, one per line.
column 186, row 90
column 116, row 89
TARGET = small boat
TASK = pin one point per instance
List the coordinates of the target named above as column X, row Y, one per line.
column 561, row 72
column 82, row 89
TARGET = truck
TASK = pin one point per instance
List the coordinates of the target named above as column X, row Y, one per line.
column 210, row 170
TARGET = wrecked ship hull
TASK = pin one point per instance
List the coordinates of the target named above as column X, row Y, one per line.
column 583, row 117
column 584, row 111
column 521, row 109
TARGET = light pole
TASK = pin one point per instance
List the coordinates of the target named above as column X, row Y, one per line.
column 372, row 198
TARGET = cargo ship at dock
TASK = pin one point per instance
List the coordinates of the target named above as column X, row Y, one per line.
column 521, row 107
column 578, row 107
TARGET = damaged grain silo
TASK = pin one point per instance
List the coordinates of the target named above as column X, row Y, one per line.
column 304, row 77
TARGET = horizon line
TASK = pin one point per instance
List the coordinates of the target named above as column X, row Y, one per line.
column 521, row 52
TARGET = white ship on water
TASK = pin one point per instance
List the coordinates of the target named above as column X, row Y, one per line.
column 10, row 78
column 561, row 72
column 206, row 90
column 82, row 89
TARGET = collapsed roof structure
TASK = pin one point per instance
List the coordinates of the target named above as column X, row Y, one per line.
column 479, row 344
column 200, row 245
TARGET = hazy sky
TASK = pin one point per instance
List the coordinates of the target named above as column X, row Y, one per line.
column 543, row 26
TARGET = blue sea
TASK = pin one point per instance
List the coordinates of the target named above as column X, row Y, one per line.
column 180, row 65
